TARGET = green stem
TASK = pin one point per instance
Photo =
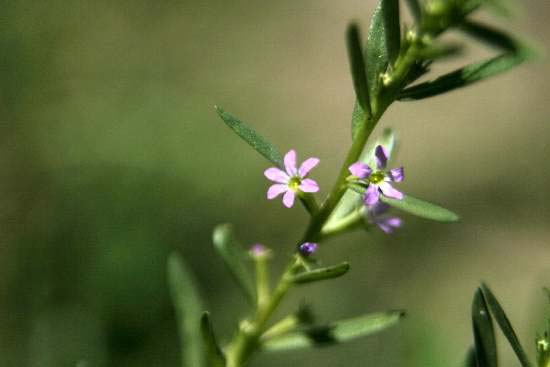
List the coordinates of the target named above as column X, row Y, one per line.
column 249, row 333
column 344, row 224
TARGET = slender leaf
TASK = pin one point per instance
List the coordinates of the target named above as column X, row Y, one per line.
column 415, row 9
column 351, row 200
column 470, row 360
column 484, row 334
column 437, row 51
column 464, row 76
column 329, row 272
column 188, row 307
column 422, row 209
column 334, row 333
column 505, row 325
column 383, row 43
column 358, row 118
column 213, row 351
column 248, row 134
column 357, row 66
column 489, row 35
column 235, row 258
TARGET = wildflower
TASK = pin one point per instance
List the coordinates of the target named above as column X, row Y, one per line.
column 292, row 180
column 378, row 180
column 307, row 248
column 376, row 215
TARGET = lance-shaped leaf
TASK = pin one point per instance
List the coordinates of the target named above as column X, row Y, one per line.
column 505, row 325
column 315, row 275
column 357, row 66
column 465, row 76
column 214, row 353
column 334, row 333
column 421, row 208
column 249, row 135
column 484, row 335
column 383, row 43
column 489, row 35
column 188, row 307
column 358, row 119
column 235, row 258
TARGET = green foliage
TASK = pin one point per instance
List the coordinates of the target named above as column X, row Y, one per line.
column 421, row 208
column 315, row 275
column 383, row 43
column 249, row 135
column 515, row 54
column 334, row 333
column 357, row 66
column 484, row 335
column 188, row 305
column 214, row 353
column 235, row 258
column 505, row 325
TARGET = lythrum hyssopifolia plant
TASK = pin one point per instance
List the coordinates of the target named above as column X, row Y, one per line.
column 385, row 68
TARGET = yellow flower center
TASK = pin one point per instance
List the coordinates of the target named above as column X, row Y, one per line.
column 377, row 177
column 294, row 184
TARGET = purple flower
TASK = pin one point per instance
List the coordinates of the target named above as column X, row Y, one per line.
column 307, row 248
column 376, row 215
column 378, row 180
column 292, row 180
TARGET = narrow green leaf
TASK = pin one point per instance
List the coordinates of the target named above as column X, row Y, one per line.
column 248, row 134
column 383, row 42
column 334, row 333
column 415, row 9
column 438, row 51
column 484, row 334
column 357, row 66
column 505, row 325
column 464, row 76
column 213, row 351
column 329, row 272
column 358, row 118
column 188, row 307
column 422, row 208
column 235, row 258
column 489, row 35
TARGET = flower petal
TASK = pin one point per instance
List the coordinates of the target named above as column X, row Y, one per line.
column 389, row 225
column 290, row 162
column 276, row 190
column 360, row 170
column 307, row 166
column 397, row 174
column 381, row 156
column 288, row 198
column 277, row 175
column 371, row 195
column 308, row 185
column 389, row 191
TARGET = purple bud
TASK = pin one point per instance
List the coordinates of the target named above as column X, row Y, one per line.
column 258, row 250
column 307, row 248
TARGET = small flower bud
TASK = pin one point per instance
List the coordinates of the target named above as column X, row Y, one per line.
column 258, row 251
column 308, row 248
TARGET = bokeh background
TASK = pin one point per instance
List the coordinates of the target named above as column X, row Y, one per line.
column 112, row 157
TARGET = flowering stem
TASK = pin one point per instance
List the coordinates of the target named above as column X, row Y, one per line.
column 248, row 336
column 249, row 333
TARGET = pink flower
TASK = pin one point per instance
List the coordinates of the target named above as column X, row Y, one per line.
column 379, row 180
column 292, row 180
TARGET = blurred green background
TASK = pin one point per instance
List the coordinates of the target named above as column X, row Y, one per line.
column 113, row 156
